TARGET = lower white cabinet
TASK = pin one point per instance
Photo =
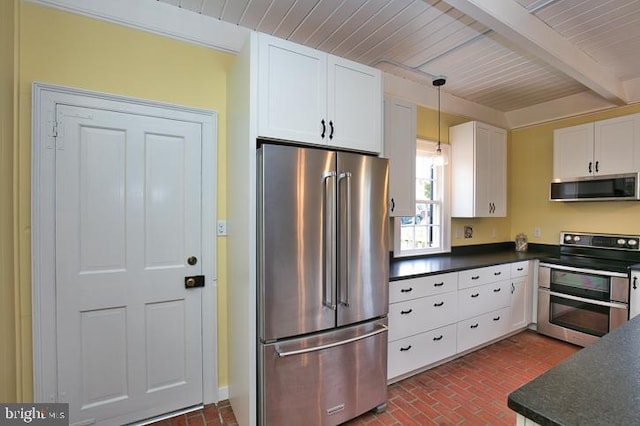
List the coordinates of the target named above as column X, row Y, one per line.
column 475, row 331
column 425, row 313
column 411, row 353
column 436, row 317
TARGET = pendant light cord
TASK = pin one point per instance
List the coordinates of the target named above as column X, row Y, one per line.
column 439, row 82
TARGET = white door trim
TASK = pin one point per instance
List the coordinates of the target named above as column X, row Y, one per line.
column 45, row 97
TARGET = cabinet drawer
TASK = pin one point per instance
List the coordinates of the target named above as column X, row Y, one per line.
column 418, row 315
column 479, row 276
column 417, row 351
column 519, row 269
column 481, row 329
column 423, row 286
column 481, row 299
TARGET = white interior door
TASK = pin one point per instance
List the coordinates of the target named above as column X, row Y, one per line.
column 128, row 218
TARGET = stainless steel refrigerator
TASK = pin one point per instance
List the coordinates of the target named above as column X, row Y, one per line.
column 322, row 285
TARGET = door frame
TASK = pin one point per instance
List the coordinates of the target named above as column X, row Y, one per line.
column 44, row 99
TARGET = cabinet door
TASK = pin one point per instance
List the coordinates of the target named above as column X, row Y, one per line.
column 617, row 145
column 354, row 105
column 400, row 149
column 634, row 294
column 292, row 91
column 483, row 171
column 573, row 151
column 497, row 185
column 520, row 303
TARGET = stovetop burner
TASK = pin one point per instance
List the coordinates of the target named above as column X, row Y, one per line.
column 604, row 252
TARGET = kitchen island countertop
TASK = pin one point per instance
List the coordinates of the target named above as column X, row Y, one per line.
column 402, row 268
column 599, row 385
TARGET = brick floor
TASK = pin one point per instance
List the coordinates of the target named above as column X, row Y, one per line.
column 471, row 390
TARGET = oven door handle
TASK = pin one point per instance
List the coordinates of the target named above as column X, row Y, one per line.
column 585, row 300
column 583, row 270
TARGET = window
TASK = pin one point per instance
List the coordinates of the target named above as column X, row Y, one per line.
column 428, row 231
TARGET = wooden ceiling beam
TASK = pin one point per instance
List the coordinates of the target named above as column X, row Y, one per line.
column 531, row 35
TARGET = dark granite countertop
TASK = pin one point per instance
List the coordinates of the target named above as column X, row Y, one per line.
column 464, row 258
column 599, row 385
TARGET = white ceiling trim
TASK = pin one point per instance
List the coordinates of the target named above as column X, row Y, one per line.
column 159, row 18
column 569, row 106
column 527, row 32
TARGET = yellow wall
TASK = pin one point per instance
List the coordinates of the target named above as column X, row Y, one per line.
column 65, row 49
column 485, row 230
column 531, row 170
column 8, row 10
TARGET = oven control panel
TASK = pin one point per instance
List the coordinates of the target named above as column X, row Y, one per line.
column 606, row 241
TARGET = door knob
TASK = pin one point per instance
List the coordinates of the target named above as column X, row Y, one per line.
column 191, row 282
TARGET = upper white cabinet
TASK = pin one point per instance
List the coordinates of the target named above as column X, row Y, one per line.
column 478, row 170
column 308, row 96
column 601, row 148
column 400, row 149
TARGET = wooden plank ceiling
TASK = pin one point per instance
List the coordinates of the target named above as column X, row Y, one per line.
column 506, row 55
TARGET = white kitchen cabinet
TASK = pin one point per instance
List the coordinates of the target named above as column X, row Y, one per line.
column 521, row 303
column 308, row 96
column 483, row 328
column 413, row 288
column 417, row 315
column 414, row 352
column 478, row 170
column 400, row 148
column 600, row 148
column 422, row 315
column 479, row 276
column 634, row 294
column 478, row 300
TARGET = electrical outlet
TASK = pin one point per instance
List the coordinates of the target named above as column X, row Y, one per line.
column 537, row 232
column 458, row 232
column 222, row 228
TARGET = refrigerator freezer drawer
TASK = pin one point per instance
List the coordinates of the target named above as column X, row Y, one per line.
column 325, row 379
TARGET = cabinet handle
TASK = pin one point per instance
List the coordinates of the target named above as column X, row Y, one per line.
column 513, row 288
column 475, row 277
column 497, row 290
column 406, row 312
column 406, row 290
column 331, row 125
column 435, row 339
column 393, row 205
column 324, row 128
column 590, row 167
column 597, row 166
column 635, row 283
column 520, row 269
column 497, row 273
column 406, row 348
column 438, row 304
column 474, row 325
column 496, row 318
column 438, row 284
column 475, row 295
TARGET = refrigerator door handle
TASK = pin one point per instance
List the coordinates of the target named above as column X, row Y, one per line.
column 329, row 298
column 382, row 328
column 345, row 257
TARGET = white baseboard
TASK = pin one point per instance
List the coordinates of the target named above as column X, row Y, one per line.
column 223, row 393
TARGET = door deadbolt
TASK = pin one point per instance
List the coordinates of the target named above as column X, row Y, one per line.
column 192, row 260
column 194, row 281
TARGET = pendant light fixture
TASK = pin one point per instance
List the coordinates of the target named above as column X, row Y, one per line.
column 440, row 159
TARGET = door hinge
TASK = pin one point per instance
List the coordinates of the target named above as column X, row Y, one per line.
column 54, row 130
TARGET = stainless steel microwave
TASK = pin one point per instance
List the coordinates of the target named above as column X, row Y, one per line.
column 596, row 188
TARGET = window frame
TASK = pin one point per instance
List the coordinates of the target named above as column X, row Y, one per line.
column 445, row 204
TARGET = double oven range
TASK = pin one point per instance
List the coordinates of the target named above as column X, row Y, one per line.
column 584, row 292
